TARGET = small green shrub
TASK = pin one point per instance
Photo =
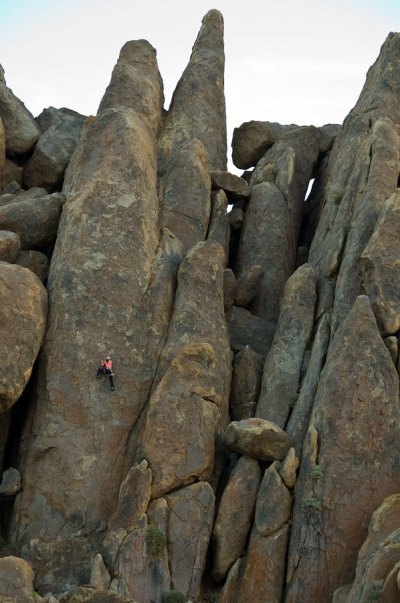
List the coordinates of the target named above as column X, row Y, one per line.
column 173, row 596
column 374, row 594
column 316, row 473
column 36, row 596
column 155, row 540
column 311, row 505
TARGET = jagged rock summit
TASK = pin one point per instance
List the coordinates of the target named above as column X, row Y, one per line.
column 250, row 449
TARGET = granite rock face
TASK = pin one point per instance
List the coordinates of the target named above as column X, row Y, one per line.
column 246, row 447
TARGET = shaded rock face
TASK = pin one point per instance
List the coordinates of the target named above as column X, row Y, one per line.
column 331, row 515
column 60, row 134
column 251, row 432
column 23, row 313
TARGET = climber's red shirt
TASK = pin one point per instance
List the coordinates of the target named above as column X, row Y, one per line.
column 107, row 364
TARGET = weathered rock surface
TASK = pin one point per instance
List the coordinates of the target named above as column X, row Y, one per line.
column 181, row 422
column 54, row 148
column 99, row 576
column 9, row 246
column 274, row 503
column 362, row 174
column 235, row 513
column 235, row 187
column 288, row 468
column 35, row 220
column 191, row 513
column 236, row 218
column 193, row 139
column 231, row 588
column 16, row 581
column 93, row 259
column 357, row 465
column 88, row 594
column 246, row 329
column 379, row 554
column 263, row 574
column 229, row 286
column 282, row 367
column 380, row 265
column 302, row 407
column 20, row 127
column 2, row 155
column 36, row 261
column 257, row 438
column 218, row 228
column 23, row 312
column 134, row 496
column 12, row 172
column 246, row 383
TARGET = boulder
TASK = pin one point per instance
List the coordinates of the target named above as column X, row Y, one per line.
column 3, row 180
column 252, row 139
column 257, row 438
column 53, row 151
column 99, row 576
column 248, row 285
column 36, row 261
column 10, row 482
column 281, row 376
column 288, row 468
column 35, row 220
column 9, row 246
column 380, row 265
column 88, row 594
column 12, row 172
column 246, row 329
column 23, row 312
column 230, row 590
column 348, row 468
column 20, row 127
column 191, row 513
column 16, row 581
column 235, row 187
column 235, row 514
column 246, row 383
column 274, row 503
column 392, row 344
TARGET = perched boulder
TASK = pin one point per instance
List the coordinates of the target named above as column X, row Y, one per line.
column 23, row 312
column 35, row 220
column 288, row 468
column 236, row 218
column 9, row 246
column 252, row 139
column 233, row 520
column 12, row 172
column 53, row 151
column 257, row 438
column 235, row 187
column 99, row 576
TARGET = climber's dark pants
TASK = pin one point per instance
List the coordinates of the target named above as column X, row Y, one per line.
column 104, row 371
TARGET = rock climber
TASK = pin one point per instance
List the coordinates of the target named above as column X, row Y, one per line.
column 106, row 369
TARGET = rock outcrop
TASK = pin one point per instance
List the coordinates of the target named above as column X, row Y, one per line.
column 245, row 446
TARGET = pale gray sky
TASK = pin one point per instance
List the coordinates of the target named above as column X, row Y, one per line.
column 289, row 61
